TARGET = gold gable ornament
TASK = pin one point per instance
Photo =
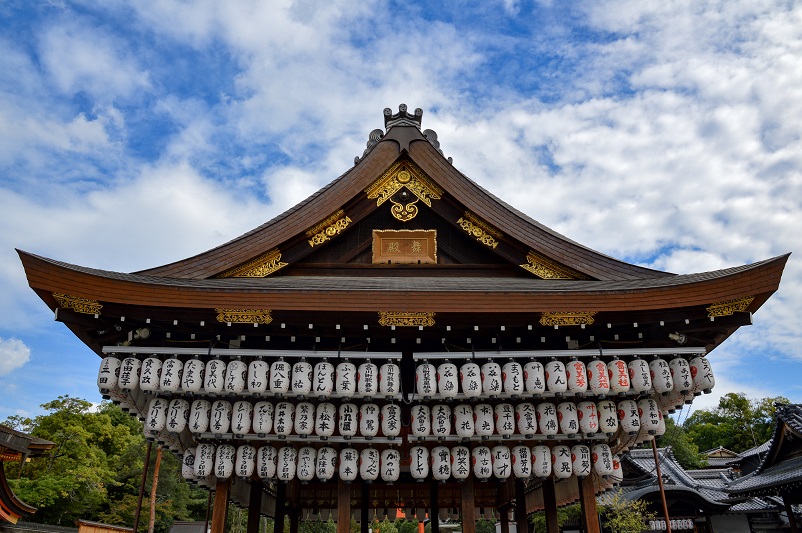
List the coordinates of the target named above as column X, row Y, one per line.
column 405, row 319
column 404, row 174
column 545, row 268
column 328, row 229
column 78, row 304
column 729, row 307
column 567, row 318
column 259, row 267
column 479, row 229
column 244, row 316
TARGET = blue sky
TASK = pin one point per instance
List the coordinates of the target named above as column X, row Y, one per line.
column 135, row 133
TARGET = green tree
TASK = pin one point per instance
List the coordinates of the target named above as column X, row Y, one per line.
column 625, row 516
column 485, row 526
column 564, row 514
column 682, row 447
column 407, row 526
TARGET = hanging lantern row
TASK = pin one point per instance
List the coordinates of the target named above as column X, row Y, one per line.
column 257, row 377
column 524, row 420
column 369, row 464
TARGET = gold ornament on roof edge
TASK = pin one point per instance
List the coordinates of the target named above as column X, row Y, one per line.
column 728, row 307
column 259, row 267
column 545, row 268
column 244, row 316
column 567, row 318
column 78, row 304
column 479, row 229
column 405, row 319
column 328, row 229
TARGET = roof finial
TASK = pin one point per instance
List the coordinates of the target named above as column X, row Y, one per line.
column 402, row 118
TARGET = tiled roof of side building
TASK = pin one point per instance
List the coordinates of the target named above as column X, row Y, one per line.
column 784, row 472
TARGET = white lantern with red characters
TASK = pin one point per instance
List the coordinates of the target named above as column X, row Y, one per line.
column 628, row 417
column 521, row 462
column 391, row 420
column 287, row 463
column 491, row 379
column 460, row 462
column 390, row 464
column 345, row 379
column 598, row 377
column 214, row 380
column 323, row 379
column 258, row 376
column 681, row 373
column 263, row 413
column 177, row 415
column 426, row 380
column 419, row 462
column 246, row 461
column 283, row 419
column 618, row 372
column 463, row 420
column 640, row 378
column 556, row 379
column 326, row 463
column 325, row 419
column 561, row 464
column 470, row 377
column 421, row 421
column 588, row 418
column 306, row 464
column 577, row 376
column 526, row 419
column 130, row 370
column 661, row 425
column 482, row 462
column 512, row 378
column 447, row 380
column 108, row 373
column 548, row 422
column 367, row 378
column 441, row 463
column 280, row 377
column 267, row 462
column 224, row 461
column 581, row 463
column 607, row 412
column 502, row 461
column 150, row 375
column 389, row 379
column 617, row 475
column 236, row 376
column 241, row 416
column 483, row 424
column 220, row 421
column 535, row 377
column 199, row 415
column 504, row 416
column 541, row 461
column 603, row 459
column 659, row 371
column 569, row 420
column 301, row 380
column 702, row 374
column 348, row 420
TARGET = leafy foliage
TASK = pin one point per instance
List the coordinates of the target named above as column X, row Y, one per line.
column 625, row 516
column 682, row 446
column 564, row 514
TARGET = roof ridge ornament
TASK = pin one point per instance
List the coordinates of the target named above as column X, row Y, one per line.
column 402, row 118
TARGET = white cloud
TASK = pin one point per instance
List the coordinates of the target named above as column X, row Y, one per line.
column 13, row 354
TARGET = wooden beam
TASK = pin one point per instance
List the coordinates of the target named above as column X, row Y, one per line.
column 364, row 516
column 254, row 506
column 505, row 519
column 550, row 506
column 789, row 510
column 343, row 507
column 587, row 499
column 220, row 505
column 281, row 507
column 434, row 506
column 295, row 518
column 467, row 506
column 521, row 518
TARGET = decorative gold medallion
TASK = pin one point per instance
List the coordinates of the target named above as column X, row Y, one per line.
column 260, row 267
column 545, row 268
column 729, row 307
column 77, row 304
column 244, row 316
column 404, row 174
column 479, row 229
column 567, row 318
column 404, row 319
column 328, row 229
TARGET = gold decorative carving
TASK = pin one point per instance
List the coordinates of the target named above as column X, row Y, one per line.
column 545, row 268
column 403, row 319
column 404, row 174
column 405, row 246
column 479, row 229
column 260, row 267
column 567, row 318
column 244, row 316
column 329, row 228
column 78, row 304
column 729, row 307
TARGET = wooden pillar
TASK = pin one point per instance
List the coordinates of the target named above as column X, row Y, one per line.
column 138, row 511
column 295, row 518
column 434, row 506
column 587, row 498
column 281, row 507
column 364, row 514
column 505, row 519
column 660, row 485
column 254, row 506
column 550, row 506
column 343, row 507
column 790, row 513
column 521, row 518
column 294, row 500
column 467, row 506
column 220, row 505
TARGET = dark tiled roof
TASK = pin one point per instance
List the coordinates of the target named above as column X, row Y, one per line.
column 784, row 472
column 22, row 442
column 791, row 414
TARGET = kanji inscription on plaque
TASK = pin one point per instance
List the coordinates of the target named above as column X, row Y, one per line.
column 405, row 246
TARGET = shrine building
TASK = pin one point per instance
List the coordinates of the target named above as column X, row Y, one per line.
column 402, row 339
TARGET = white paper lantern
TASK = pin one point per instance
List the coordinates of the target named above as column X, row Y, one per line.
column 150, row 375
column 188, row 464
column 441, row 421
column 581, row 464
column 304, row 422
column 425, row 379
column 482, row 462
column 215, row 377
column 287, row 463
column 535, row 377
column 702, row 374
column 491, row 379
column 348, row 420
column 391, row 420
column 577, row 376
column 660, row 373
column 541, row 461
column 512, row 378
column 419, row 462
column 460, row 462
column 323, row 379
column 192, row 378
column 628, row 417
column 447, row 380
column 258, row 376
column 245, row 461
column 671, row 401
column 267, row 462
column 109, row 373
column 157, row 415
column 367, row 379
column 502, row 463
column 421, row 420
column 617, row 475
column 283, row 418
column 639, row 377
column 618, row 373
column 561, row 461
column 661, row 425
column 521, row 462
column 224, row 461
column 220, row 421
column 204, row 460
column 325, row 419
column 279, row 377
column 681, row 374
column 390, row 465
column 129, row 374
column 526, row 419
column 236, row 376
column 470, row 377
column 345, row 382
column 547, row 420
column 607, row 412
column 306, row 464
column 649, row 415
column 389, row 379
column 603, row 459
column 241, row 416
column 177, row 415
column 170, row 379
column 199, row 415
column 598, row 377
column 326, row 463
column 369, row 420
column 556, row 379
column 463, row 420
column 349, row 468
column 569, row 420
column 483, row 424
column 504, row 416
column 441, row 463
column 588, row 418
column 369, row 464
column 263, row 413
column 301, row 381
